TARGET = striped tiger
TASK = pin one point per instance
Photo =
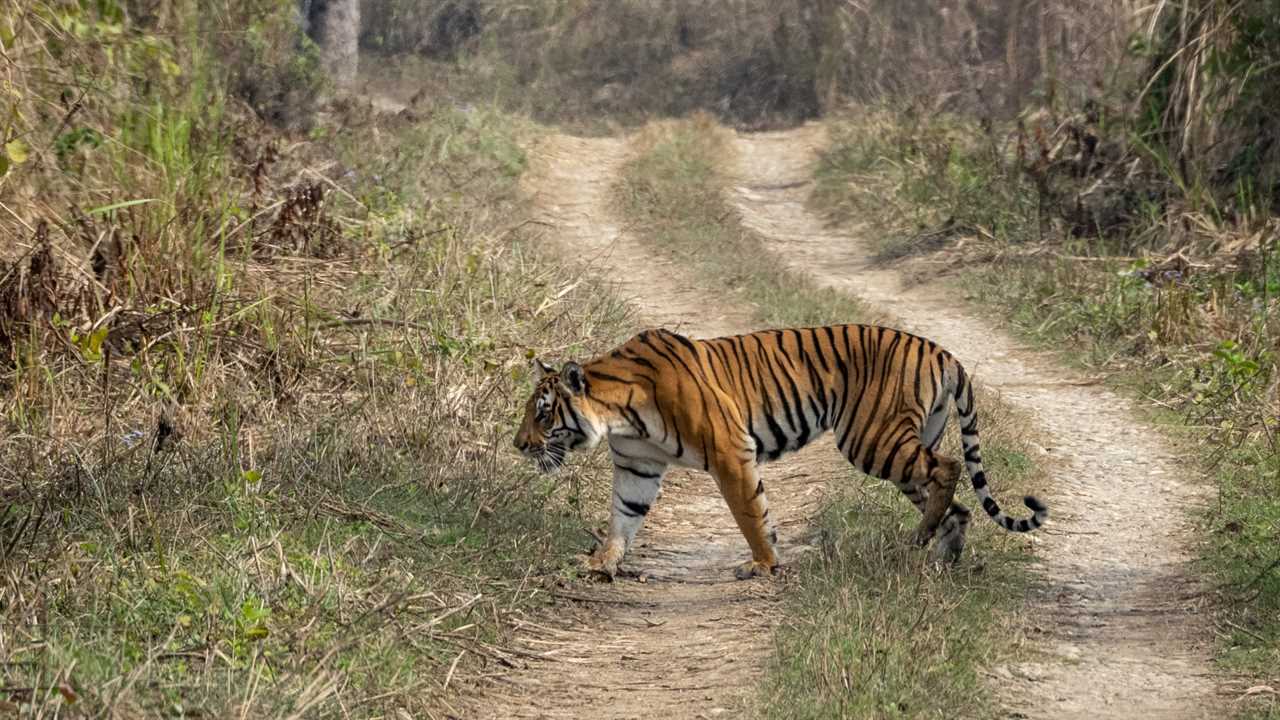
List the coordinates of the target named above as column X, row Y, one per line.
column 728, row 405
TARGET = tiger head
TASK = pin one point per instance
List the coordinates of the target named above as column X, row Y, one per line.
column 558, row 417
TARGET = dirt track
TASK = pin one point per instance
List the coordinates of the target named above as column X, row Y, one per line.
column 1116, row 613
column 686, row 642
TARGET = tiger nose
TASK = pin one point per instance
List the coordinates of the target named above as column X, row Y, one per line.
column 520, row 443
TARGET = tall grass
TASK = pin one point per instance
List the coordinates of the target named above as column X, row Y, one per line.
column 868, row 628
column 256, row 386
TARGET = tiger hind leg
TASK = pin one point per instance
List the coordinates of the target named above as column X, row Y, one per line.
column 927, row 478
column 949, row 545
column 950, row 530
column 939, row 478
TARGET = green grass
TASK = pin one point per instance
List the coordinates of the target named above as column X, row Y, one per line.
column 870, row 628
column 1198, row 342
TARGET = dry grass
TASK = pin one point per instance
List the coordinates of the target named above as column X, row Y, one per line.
column 258, row 387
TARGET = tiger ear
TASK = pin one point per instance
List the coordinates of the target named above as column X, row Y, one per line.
column 574, row 378
column 540, row 369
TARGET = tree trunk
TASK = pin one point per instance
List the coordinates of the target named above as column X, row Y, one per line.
column 334, row 25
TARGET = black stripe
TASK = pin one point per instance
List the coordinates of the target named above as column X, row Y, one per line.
column 776, row 430
column 608, row 377
column 702, row 390
column 799, row 405
column 740, row 351
column 760, row 448
column 639, row 361
column 819, row 416
column 919, row 366
column 682, row 340
column 634, row 418
column 887, row 467
column 713, row 355
column 632, row 509
column 763, row 354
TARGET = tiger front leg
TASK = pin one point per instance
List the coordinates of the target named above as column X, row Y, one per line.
column 743, row 491
column 635, row 488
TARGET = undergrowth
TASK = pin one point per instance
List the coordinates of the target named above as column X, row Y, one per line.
column 869, row 628
column 258, row 388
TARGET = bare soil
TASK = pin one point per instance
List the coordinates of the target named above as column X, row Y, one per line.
column 1124, row 625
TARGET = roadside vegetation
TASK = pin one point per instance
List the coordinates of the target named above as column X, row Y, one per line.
column 259, row 355
column 869, row 628
column 1133, row 220
column 594, row 66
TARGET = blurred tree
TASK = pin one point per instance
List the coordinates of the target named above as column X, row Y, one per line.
column 334, row 25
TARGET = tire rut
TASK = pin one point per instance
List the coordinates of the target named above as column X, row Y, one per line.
column 679, row 638
column 1122, row 621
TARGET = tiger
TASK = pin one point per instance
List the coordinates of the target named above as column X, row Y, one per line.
column 728, row 405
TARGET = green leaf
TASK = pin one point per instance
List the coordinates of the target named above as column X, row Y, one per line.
column 97, row 338
column 119, row 206
column 257, row 632
column 17, row 151
column 251, row 476
column 7, row 34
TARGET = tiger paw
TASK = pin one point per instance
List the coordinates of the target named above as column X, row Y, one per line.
column 753, row 568
column 602, row 565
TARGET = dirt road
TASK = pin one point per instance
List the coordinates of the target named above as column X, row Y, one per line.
column 688, row 640
column 1123, row 624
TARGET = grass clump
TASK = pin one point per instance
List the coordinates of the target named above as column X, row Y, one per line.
column 870, row 628
column 258, row 387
